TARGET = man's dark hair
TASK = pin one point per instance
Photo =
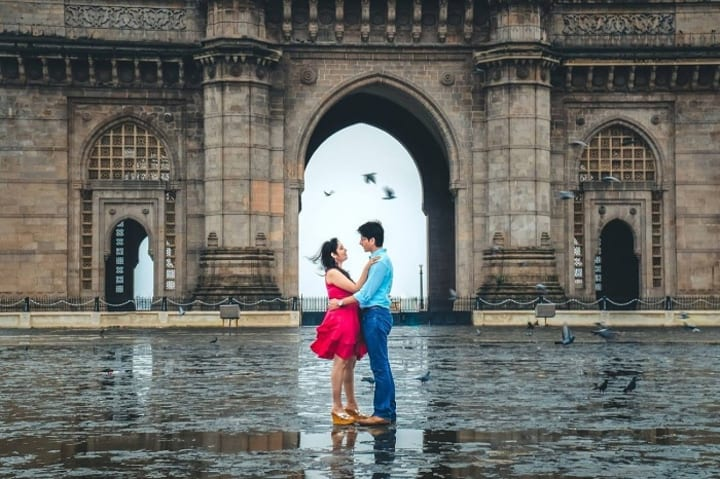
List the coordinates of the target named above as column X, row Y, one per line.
column 373, row 229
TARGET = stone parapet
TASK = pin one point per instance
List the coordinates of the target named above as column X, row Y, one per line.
column 146, row 319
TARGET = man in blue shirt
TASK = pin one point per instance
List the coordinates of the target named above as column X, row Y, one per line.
column 376, row 323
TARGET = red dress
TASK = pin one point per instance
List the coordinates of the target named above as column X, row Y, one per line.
column 339, row 333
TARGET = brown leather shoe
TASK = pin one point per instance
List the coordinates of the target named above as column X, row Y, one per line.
column 373, row 421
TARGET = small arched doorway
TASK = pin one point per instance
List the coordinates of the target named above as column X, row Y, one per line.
column 120, row 265
column 619, row 266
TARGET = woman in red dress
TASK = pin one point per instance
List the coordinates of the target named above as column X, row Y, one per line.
column 338, row 336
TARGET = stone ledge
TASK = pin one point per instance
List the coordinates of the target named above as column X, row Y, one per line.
column 146, row 319
column 653, row 319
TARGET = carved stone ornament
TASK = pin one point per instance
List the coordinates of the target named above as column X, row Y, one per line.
column 637, row 24
column 308, row 76
column 447, row 79
column 126, row 18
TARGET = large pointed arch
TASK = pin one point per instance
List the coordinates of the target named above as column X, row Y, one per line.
column 404, row 112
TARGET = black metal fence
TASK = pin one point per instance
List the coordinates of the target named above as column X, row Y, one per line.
column 319, row 304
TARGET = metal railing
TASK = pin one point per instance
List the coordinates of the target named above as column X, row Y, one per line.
column 319, row 304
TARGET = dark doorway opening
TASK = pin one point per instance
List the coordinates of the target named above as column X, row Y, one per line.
column 120, row 265
column 619, row 266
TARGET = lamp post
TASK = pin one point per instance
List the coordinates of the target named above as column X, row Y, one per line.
column 422, row 300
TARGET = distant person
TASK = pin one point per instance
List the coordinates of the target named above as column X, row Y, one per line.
column 374, row 299
column 338, row 337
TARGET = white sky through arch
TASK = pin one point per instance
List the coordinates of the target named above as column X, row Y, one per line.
column 337, row 167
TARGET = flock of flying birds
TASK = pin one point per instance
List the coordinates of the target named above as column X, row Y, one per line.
column 370, row 179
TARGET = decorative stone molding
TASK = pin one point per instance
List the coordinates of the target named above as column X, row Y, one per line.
column 308, row 75
column 127, row 18
column 636, row 24
column 447, row 79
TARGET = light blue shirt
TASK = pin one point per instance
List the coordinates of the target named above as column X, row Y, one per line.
column 376, row 290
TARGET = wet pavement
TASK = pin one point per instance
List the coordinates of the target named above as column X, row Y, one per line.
column 500, row 403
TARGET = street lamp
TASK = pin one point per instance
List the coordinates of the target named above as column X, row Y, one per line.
column 422, row 301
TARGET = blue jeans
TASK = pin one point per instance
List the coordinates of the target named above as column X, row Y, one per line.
column 376, row 326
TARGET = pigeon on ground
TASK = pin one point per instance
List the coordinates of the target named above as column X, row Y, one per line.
column 424, row 378
column 567, row 336
column 369, row 177
column 389, row 193
column 631, row 385
column 181, row 310
column 602, row 386
column 214, row 340
column 368, row 379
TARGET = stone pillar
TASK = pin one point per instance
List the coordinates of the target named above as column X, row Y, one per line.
column 244, row 189
column 515, row 71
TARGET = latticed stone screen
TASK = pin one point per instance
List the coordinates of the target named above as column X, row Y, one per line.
column 128, row 152
column 617, row 152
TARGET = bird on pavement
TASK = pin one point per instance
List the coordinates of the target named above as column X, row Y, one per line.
column 368, row 379
column 631, row 385
column 424, row 378
column 214, row 340
column 602, row 386
column 567, row 336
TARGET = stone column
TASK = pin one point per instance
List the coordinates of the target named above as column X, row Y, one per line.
column 244, row 189
column 515, row 71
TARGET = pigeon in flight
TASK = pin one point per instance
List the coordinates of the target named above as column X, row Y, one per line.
column 610, row 179
column 369, row 177
column 566, row 195
column 181, row 311
column 329, row 193
column 602, row 386
column 690, row 327
column 567, row 336
column 541, row 288
column 579, row 143
column 606, row 333
column 424, row 378
column 631, row 385
column 389, row 193
column 453, row 295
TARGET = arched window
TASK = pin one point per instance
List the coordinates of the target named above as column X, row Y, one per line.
column 617, row 152
column 128, row 152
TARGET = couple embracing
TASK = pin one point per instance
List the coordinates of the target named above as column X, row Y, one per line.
column 358, row 321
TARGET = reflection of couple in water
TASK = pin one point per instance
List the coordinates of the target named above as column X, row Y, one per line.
column 343, row 443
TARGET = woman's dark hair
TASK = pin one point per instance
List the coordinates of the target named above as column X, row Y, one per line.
column 325, row 256
column 373, row 229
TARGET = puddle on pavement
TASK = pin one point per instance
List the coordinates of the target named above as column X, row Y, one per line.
column 500, row 403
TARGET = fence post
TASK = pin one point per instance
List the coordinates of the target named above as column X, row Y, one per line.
column 163, row 304
column 603, row 301
column 26, row 306
column 97, row 304
column 668, row 303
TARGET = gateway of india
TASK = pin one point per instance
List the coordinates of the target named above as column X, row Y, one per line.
column 570, row 143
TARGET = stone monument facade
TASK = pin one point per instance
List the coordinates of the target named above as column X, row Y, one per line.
column 567, row 143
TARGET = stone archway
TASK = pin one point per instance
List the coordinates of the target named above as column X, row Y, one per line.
column 398, row 115
column 619, row 266
column 120, row 264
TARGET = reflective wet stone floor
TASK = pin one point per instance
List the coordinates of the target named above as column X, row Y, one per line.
column 500, row 403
